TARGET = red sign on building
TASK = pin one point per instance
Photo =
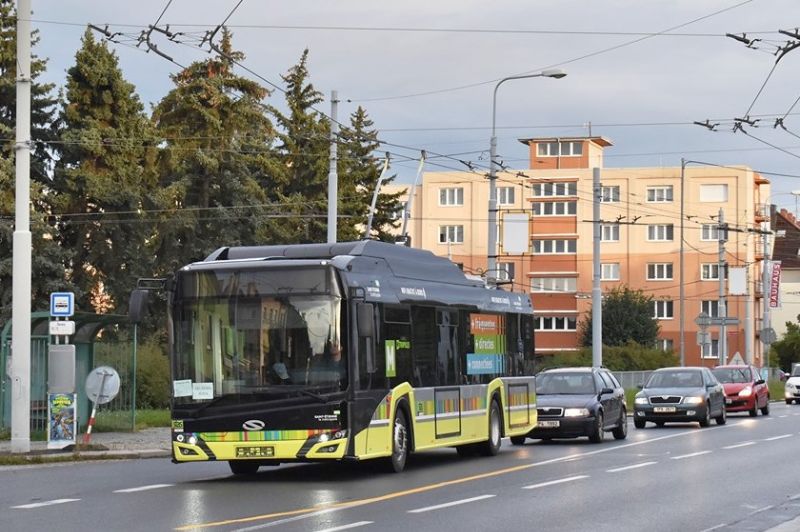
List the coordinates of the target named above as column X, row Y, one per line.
column 775, row 285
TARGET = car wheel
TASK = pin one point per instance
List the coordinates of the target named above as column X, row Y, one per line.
column 620, row 432
column 788, row 401
column 639, row 423
column 243, row 467
column 518, row 440
column 765, row 410
column 722, row 418
column 399, row 442
column 754, row 411
column 706, row 419
column 492, row 446
column 596, row 436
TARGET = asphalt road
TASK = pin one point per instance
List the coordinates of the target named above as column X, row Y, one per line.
column 742, row 476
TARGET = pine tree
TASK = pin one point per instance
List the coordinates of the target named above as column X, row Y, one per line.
column 103, row 177
column 358, row 172
column 47, row 256
column 215, row 163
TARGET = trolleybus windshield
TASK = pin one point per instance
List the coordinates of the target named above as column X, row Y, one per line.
column 252, row 334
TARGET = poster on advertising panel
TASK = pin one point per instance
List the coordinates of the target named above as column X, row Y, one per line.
column 62, row 419
column 775, row 284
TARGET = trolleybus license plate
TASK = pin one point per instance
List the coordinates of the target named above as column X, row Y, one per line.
column 255, row 452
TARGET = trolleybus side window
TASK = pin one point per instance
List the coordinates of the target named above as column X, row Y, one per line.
column 394, row 348
column 424, row 340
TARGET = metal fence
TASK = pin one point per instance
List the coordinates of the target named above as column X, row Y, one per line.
column 631, row 379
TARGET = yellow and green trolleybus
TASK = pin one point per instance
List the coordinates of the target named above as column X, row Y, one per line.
column 349, row 351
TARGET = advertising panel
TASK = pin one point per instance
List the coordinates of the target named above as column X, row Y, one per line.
column 62, row 420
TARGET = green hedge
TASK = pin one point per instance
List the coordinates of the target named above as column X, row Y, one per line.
column 152, row 377
column 630, row 357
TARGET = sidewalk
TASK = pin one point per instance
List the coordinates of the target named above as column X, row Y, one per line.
column 146, row 443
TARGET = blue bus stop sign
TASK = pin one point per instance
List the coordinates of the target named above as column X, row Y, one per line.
column 62, row 304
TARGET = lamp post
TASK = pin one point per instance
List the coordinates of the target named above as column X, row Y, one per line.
column 491, row 267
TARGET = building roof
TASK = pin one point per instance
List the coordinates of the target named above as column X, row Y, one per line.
column 787, row 240
column 600, row 141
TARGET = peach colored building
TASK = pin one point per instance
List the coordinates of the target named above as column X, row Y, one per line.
column 641, row 238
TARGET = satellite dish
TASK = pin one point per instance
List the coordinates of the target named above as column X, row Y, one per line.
column 102, row 384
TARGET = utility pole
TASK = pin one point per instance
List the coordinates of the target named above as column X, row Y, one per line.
column 597, row 297
column 333, row 177
column 722, row 230
column 682, row 289
column 766, row 326
column 21, row 262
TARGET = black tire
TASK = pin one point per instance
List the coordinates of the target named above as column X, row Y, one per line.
column 492, row 445
column 243, row 467
column 788, row 401
column 597, row 434
column 620, row 432
column 723, row 417
column 659, row 424
column 765, row 410
column 400, row 440
column 706, row 420
column 754, row 411
column 639, row 423
column 518, row 440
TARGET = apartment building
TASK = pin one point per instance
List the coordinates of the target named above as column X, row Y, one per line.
column 640, row 229
column 786, row 250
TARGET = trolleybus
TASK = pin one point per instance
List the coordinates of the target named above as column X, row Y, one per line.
column 349, row 351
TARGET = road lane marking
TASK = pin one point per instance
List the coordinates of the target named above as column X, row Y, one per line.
column 782, row 436
column 449, row 504
column 554, row 482
column 764, row 509
column 302, row 513
column 626, row 468
column 716, row 527
column 44, row 503
column 785, row 415
column 143, row 488
column 690, row 455
column 737, row 445
column 347, row 527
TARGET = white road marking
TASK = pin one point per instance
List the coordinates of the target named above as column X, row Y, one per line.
column 347, row 527
column 449, row 504
column 785, row 415
column 143, row 488
column 716, row 527
column 782, row 436
column 764, row 509
column 737, row 445
column 44, row 503
column 690, row 455
column 553, row 482
column 634, row 466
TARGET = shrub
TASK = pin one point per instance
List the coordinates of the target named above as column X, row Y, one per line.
column 629, row 357
column 152, row 377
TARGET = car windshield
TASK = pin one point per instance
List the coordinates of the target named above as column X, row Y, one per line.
column 733, row 375
column 796, row 372
column 675, row 379
column 565, row 383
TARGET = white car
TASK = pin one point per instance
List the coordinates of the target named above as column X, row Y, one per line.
column 792, row 392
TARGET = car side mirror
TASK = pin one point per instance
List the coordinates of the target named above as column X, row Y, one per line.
column 605, row 391
column 711, row 386
column 640, row 386
column 759, row 382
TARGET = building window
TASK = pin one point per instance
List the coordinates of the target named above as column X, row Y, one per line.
column 555, row 208
column 713, row 193
column 451, row 196
column 711, row 350
column 563, row 149
column 665, row 344
column 453, row 234
column 710, row 307
column 659, row 194
column 662, row 309
column 660, row 232
column 710, row 232
column 609, row 271
column 505, row 195
column 554, row 323
column 609, row 232
column 553, row 284
column 547, row 190
column 609, row 194
column 661, row 271
column 505, row 271
column 550, row 247
column 709, row 271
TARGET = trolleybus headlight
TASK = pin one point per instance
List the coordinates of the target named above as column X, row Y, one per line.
column 340, row 434
column 192, row 440
column 324, row 437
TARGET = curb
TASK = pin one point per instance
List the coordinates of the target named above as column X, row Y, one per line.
column 65, row 457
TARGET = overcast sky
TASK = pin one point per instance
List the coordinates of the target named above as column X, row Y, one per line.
column 639, row 71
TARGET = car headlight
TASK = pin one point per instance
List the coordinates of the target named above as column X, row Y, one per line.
column 694, row 400
column 576, row 412
column 789, row 386
column 641, row 401
column 746, row 392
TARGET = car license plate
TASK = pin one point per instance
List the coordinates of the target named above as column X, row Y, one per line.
column 549, row 424
column 663, row 409
column 728, row 400
column 255, row 452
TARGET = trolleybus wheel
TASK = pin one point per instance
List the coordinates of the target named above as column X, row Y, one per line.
column 399, row 442
column 492, row 445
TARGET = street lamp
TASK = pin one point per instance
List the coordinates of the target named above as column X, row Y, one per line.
column 491, row 267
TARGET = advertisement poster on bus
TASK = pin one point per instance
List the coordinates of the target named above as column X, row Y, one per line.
column 62, row 420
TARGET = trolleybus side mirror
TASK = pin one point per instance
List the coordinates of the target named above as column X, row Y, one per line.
column 137, row 306
column 365, row 322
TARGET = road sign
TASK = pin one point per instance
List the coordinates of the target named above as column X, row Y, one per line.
column 102, row 385
column 62, row 304
column 62, row 328
column 737, row 359
column 724, row 321
column 703, row 320
column 703, row 338
column 768, row 335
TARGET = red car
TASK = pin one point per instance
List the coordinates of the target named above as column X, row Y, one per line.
column 745, row 390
